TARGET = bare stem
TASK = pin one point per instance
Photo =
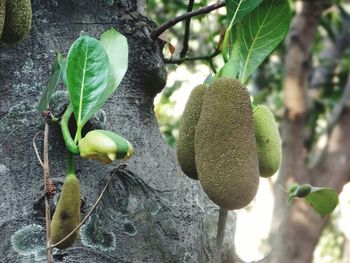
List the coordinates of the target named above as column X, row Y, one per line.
column 91, row 210
column 221, row 233
column 204, row 10
column 47, row 180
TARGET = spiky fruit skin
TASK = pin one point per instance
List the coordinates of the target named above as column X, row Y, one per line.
column 225, row 149
column 18, row 20
column 2, row 14
column 185, row 143
column 268, row 141
column 67, row 214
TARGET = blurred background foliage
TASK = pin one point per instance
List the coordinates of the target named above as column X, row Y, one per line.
column 327, row 81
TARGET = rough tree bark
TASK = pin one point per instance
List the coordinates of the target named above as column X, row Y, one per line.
column 296, row 229
column 153, row 213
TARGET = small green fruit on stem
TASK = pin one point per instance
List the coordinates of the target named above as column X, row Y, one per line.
column 268, row 141
column 105, row 146
column 67, row 214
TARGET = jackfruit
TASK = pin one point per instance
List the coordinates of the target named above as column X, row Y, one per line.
column 225, row 148
column 67, row 214
column 268, row 141
column 185, row 142
column 2, row 14
column 18, row 20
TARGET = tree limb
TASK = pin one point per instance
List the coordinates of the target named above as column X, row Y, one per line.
column 204, row 10
column 181, row 60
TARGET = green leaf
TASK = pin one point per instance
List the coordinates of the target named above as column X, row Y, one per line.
column 259, row 33
column 237, row 9
column 51, row 87
column 87, row 78
column 116, row 46
column 323, row 200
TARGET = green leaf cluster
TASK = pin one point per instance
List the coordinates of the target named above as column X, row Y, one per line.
column 91, row 72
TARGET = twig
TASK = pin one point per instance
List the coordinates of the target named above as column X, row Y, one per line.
column 187, row 30
column 36, row 149
column 46, row 182
column 204, row 10
column 91, row 210
column 220, row 233
column 181, row 60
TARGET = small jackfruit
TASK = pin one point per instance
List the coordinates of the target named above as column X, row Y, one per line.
column 268, row 141
column 67, row 214
column 225, row 148
column 2, row 14
column 105, row 146
column 18, row 20
column 185, row 143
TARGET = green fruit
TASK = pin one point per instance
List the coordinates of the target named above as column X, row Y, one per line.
column 67, row 214
column 18, row 20
column 268, row 141
column 185, row 143
column 2, row 14
column 303, row 190
column 105, row 146
column 226, row 157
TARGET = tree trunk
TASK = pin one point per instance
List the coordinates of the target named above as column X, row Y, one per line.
column 296, row 229
column 152, row 213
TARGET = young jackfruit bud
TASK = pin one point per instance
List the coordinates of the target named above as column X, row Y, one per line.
column 225, row 149
column 18, row 20
column 185, row 143
column 303, row 190
column 105, row 146
column 268, row 141
column 67, row 214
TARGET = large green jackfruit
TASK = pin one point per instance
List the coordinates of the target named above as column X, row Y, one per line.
column 268, row 141
column 67, row 214
column 188, row 124
column 18, row 20
column 2, row 14
column 226, row 156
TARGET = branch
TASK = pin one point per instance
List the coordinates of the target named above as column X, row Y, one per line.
column 187, row 31
column 181, row 60
column 204, row 10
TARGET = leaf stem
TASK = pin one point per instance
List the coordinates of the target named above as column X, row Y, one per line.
column 70, row 144
column 70, row 164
